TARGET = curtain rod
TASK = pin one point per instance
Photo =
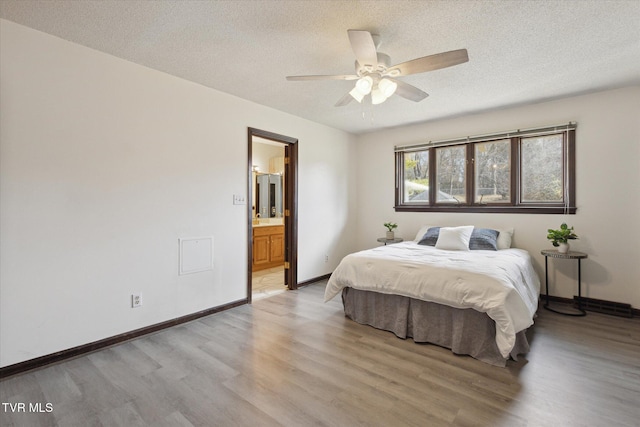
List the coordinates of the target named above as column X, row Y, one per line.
column 489, row 136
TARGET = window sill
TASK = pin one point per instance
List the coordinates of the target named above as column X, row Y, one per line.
column 488, row 209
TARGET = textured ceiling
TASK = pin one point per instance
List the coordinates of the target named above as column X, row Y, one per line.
column 519, row 51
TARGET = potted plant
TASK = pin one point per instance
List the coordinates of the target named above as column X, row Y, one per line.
column 390, row 227
column 560, row 238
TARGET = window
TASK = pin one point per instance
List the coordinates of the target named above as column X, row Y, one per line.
column 416, row 173
column 518, row 172
column 541, row 169
column 451, row 174
column 492, row 179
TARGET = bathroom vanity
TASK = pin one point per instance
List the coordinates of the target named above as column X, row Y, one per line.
column 268, row 246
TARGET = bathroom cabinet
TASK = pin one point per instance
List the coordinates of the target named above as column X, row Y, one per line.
column 268, row 247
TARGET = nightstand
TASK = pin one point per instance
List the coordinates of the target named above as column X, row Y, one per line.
column 389, row 241
column 550, row 253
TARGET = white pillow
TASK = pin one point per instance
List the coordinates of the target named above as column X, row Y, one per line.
column 421, row 232
column 504, row 238
column 454, row 238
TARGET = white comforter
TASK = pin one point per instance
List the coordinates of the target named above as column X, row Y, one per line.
column 501, row 283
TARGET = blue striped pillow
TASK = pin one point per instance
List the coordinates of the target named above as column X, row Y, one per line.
column 484, row 239
column 430, row 237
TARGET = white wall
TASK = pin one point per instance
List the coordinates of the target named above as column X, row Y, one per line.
column 608, row 195
column 105, row 164
column 263, row 153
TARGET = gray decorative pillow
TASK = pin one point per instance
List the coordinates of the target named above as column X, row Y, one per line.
column 430, row 237
column 484, row 239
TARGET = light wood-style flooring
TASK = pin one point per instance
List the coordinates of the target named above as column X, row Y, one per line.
column 292, row 360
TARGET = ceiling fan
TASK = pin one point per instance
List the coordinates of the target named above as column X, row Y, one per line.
column 375, row 75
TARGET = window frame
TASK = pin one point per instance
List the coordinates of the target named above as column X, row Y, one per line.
column 515, row 205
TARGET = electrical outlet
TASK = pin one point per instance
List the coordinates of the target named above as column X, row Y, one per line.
column 136, row 300
column 326, row 258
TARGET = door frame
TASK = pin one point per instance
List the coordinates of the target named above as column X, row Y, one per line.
column 290, row 206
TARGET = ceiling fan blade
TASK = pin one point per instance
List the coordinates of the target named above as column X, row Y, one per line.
column 344, row 100
column 323, row 77
column 364, row 47
column 431, row 62
column 408, row 91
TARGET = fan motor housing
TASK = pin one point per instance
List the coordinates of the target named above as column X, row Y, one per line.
column 384, row 62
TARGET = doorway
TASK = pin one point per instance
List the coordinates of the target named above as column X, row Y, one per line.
column 272, row 211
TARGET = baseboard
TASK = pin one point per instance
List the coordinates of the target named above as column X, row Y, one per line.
column 314, row 280
column 588, row 307
column 38, row 362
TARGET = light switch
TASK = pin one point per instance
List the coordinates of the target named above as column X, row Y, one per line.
column 238, row 199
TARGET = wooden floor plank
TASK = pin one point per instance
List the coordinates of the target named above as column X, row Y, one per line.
column 294, row 360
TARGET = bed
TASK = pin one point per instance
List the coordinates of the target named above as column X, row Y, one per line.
column 474, row 302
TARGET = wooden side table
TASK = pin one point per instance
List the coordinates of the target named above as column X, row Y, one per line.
column 551, row 253
column 389, row 241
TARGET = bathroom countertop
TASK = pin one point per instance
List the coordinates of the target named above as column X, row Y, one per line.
column 268, row 224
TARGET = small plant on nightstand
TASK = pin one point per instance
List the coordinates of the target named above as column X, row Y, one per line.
column 390, row 227
column 560, row 238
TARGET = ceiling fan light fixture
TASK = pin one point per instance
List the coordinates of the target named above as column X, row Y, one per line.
column 356, row 94
column 377, row 96
column 364, row 85
column 387, row 87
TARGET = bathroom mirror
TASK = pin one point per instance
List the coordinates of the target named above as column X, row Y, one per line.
column 269, row 195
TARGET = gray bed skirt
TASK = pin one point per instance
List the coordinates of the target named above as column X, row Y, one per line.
column 464, row 331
